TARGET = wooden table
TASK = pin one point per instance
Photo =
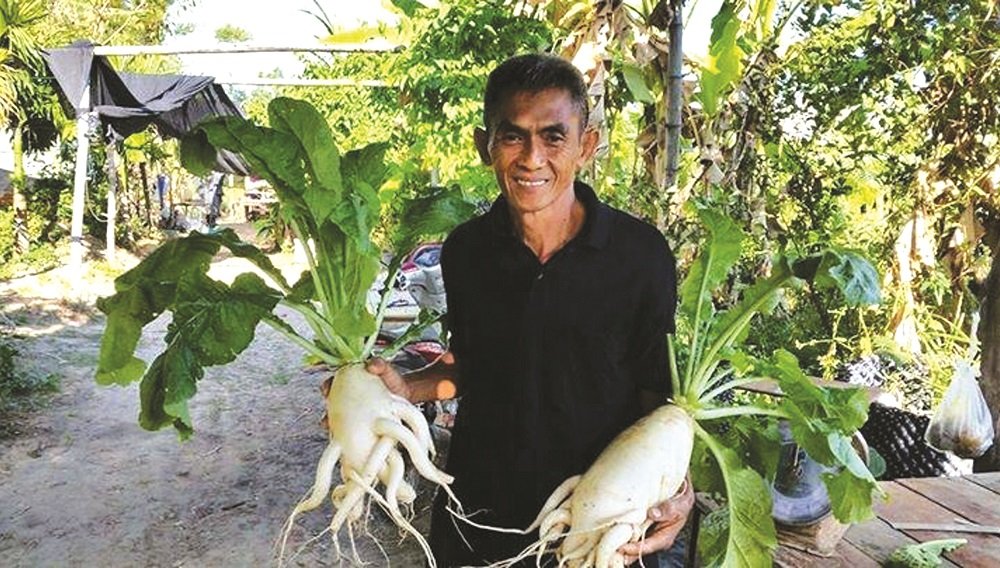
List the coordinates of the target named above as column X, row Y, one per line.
column 936, row 501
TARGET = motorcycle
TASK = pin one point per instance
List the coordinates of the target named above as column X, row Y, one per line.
column 418, row 286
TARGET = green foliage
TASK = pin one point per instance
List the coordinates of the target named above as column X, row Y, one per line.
column 229, row 33
column 433, row 96
column 725, row 58
column 19, row 386
column 922, row 555
column 822, row 420
column 330, row 201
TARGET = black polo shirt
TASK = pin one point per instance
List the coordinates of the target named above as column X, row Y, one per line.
column 552, row 357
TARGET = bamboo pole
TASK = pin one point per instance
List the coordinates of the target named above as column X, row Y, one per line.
column 128, row 50
column 674, row 93
column 305, row 82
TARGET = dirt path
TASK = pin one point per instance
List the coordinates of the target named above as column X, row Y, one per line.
column 83, row 485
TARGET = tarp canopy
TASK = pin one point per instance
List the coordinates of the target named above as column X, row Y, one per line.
column 129, row 102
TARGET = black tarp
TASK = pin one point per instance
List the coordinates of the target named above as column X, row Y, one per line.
column 129, row 102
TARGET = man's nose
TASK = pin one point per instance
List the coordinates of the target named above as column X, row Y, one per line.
column 531, row 154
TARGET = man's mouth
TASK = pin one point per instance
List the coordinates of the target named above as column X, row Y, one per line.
column 530, row 182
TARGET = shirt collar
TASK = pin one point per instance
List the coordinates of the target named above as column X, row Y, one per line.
column 596, row 229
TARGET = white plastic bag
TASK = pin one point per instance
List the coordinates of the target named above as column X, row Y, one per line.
column 962, row 423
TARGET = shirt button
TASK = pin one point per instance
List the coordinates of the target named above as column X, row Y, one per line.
column 540, row 275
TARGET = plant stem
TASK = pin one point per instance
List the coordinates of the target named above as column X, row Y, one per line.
column 675, row 378
column 344, row 351
column 323, row 330
column 734, row 330
column 390, row 277
column 696, row 326
column 729, row 411
column 302, row 342
column 317, row 281
column 726, row 386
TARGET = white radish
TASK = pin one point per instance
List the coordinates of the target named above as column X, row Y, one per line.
column 366, row 423
column 605, row 508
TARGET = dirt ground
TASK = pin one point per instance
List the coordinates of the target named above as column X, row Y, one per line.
column 81, row 484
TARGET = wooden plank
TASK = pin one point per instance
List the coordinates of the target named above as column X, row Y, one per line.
column 906, row 505
column 990, row 480
column 971, row 501
column 846, row 556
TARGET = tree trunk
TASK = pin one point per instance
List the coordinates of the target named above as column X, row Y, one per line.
column 18, row 183
column 989, row 337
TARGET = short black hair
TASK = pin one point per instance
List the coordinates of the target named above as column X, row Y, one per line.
column 534, row 72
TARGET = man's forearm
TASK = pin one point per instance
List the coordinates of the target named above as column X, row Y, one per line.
column 437, row 382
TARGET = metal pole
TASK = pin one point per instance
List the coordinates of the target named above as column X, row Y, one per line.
column 109, row 236
column 305, row 82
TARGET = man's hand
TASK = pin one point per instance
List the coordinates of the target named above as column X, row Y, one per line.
column 383, row 370
column 668, row 519
column 390, row 376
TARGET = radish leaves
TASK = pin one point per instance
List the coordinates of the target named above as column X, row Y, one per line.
column 822, row 420
column 330, row 200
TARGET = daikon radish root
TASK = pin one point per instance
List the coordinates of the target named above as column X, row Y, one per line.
column 595, row 513
column 370, row 428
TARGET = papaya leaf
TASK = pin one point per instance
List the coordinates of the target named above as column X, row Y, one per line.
column 725, row 57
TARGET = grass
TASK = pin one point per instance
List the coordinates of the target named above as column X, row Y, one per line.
column 20, row 390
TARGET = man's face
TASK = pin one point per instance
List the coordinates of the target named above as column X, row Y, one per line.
column 535, row 148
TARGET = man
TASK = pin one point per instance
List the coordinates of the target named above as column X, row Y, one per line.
column 558, row 307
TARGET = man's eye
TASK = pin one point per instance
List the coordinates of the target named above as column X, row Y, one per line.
column 555, row 138
column 510, row 138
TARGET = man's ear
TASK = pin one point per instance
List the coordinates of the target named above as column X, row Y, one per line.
column 482, row 141
column 590, row 139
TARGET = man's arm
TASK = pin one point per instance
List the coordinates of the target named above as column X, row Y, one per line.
column 436, row 382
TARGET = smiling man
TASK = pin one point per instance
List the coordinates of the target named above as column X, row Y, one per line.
column 558, row 306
